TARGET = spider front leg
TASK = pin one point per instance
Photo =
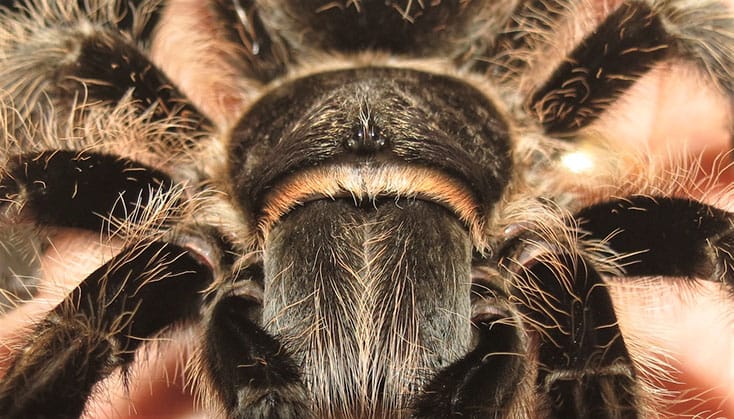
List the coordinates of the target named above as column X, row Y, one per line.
column 97, row 328
column 665, row 236
column 252, row 373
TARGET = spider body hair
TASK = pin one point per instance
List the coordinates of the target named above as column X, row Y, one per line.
column 362, row 211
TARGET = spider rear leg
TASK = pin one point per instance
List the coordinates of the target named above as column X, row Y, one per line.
column 144, row 289
column 585, row 370
column 665, row 236
column 252, row 373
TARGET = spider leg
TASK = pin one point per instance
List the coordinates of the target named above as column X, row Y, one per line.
column 665, row 236
column 85, row 58
column 485, row 382
column 80, row 189
column 97, row 328
column 628, row 43
column 585, row 370
column 64, row 188
column 251, row 372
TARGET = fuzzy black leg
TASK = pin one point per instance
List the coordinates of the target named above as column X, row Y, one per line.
column 585, row 368
column 79, row 62
column 107, row 67
column 665, row 236
column 484, row 383
column 626, row 45
column 80, row 189
column 98, row 327
column 65, row 188
column 251, row 372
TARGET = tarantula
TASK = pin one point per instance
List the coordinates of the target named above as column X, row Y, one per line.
column 359, row 207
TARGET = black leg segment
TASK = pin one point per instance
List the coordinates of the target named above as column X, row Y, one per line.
column 626, row 45
column 665, row 236
column 90, row 63
column 107, row 67
column 585, row 370
column 98, row 327
column 80, row 189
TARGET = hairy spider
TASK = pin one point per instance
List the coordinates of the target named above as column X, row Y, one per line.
column 364, row 208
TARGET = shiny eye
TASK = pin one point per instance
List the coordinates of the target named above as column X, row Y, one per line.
column 365, row 138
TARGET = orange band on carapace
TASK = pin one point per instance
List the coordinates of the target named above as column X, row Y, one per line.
column 368, row 183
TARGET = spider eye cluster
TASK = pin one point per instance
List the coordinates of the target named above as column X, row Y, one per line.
column 366, row 138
